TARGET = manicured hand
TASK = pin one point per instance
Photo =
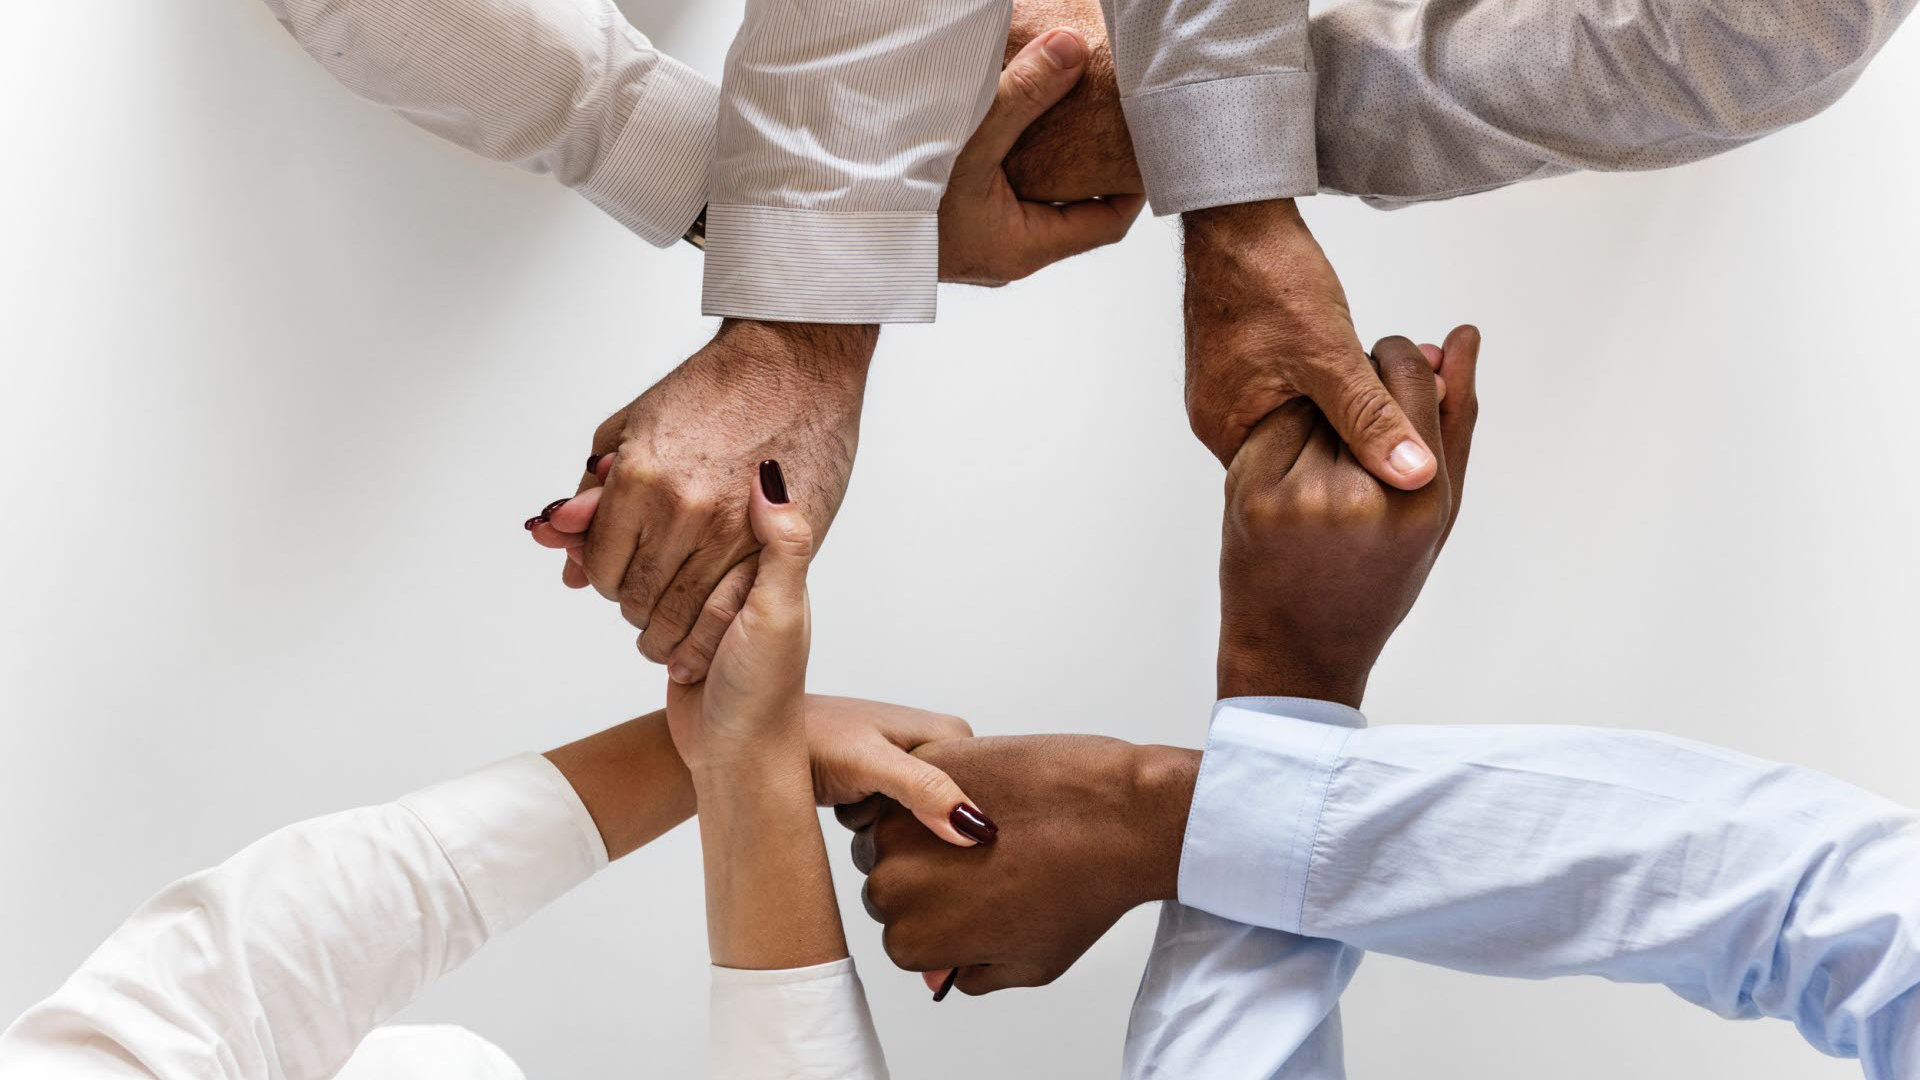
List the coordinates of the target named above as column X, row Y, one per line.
column 1090, row 827
column 862, row 748
column 988, row 234
column 1268, row 322
column 669, row 539
column 754, row 695
column 1319, row 560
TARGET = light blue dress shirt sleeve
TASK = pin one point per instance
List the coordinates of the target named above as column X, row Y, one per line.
column 1232, row 1001
column 1747, row 887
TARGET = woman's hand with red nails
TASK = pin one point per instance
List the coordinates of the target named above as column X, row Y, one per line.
column 1090, row 828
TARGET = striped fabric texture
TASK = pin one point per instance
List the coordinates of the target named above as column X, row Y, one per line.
column 837, row 146
column 839, row 122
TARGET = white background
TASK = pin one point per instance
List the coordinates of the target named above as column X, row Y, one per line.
column 284, row 375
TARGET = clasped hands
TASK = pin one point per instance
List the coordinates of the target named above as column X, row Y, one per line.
column 1320, row 562
column 657, row 524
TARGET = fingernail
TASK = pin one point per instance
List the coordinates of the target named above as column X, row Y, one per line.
column 552, row 506
column 947, row 985
column 773, row 481
column 1409, row 458
column 680, row 673
column 1065, row 49
column 593, row 462
column 532, row 521
column 973, row 824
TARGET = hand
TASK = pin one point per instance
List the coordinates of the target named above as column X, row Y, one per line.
column 1080, row 148
column 669, row 538
column 1267, row 322
column 989, row 235
column 1320, row 561
column 1090, row 828
column 863, row 748
column 752, row 702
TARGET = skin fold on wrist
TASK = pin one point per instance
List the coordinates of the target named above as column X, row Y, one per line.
column 1163, row 782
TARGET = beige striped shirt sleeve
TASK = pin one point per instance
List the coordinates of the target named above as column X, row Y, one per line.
column 839, row 123
column 565, row 87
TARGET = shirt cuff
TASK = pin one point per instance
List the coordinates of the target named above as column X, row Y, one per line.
column 1225, row 141
column 516, row 833
column 785, row 264
column 654, row 179
column 1256, row 807
column 800, row 1023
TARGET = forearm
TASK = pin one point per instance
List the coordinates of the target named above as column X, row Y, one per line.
column 781, row 358
column 1747, row 887
column 770, row 901
column 631, row 780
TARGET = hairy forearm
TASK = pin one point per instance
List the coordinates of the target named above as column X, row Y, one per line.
column 770, row 902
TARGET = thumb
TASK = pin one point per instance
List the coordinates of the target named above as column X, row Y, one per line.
column 786, row 539
column 931, row 795
column 1037, row 77
column 1372, row 423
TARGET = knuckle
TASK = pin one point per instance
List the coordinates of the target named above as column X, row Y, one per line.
column 901, row 947
column 795, row 537
column 1367, row 409
column 956, row 727
column 1021, row 85
column 928, row 784
column 633, row 610
column 655, row 645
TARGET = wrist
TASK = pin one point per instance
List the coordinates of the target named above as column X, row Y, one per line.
column 1162, row 783
column 825, row 353
column 769, row 763
column 1255, row 671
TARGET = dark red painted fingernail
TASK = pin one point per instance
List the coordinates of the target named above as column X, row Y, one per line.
column 552, row 506
column 946, row 987
column 532, row 521
column 593, row 462
column 973, row 824
column 773, row 481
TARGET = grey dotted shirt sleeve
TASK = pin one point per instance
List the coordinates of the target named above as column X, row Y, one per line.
column 1432, row 100
column 1219, row 98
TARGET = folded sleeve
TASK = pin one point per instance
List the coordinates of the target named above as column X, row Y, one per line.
column 807, row 1023
column 839, row 123
column 1219, row 98
column 1748, row 887
column 563, row 87
column 278, row 962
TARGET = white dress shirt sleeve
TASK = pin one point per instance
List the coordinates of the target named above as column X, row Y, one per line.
column 839, row 123
column 807, row 1023
column 1219, row 98
column 276, row 964
column 1751, row 888
column 1431, row 100
column 565, row 87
